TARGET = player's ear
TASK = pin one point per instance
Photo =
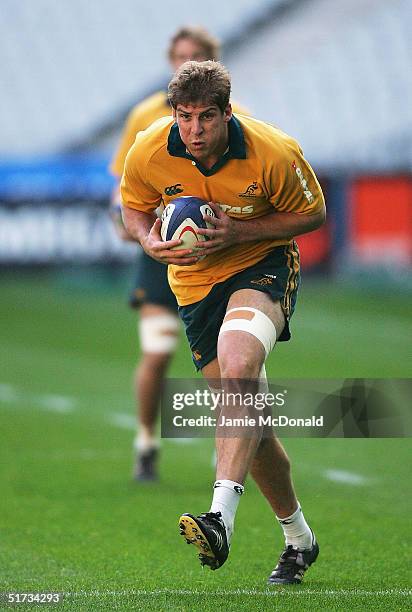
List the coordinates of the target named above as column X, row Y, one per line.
column 227, row 113
column 174, row 113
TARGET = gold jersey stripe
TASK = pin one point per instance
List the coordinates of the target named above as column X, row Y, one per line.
column 292, row 253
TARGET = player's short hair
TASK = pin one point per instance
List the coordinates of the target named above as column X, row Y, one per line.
column 200, row 36
column 200, row 82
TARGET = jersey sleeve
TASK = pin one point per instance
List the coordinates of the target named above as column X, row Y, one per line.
column 294, row 186
column 135, row 187
column 238, row 109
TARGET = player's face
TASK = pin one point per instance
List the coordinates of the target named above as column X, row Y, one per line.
column 204, row 130
column 186, row 50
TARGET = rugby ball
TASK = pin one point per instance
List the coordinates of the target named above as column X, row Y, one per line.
column 182, row 218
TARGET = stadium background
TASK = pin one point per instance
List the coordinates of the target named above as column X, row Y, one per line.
column 335, row 75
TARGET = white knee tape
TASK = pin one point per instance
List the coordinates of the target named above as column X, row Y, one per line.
column 259, row 325
column 159, row 333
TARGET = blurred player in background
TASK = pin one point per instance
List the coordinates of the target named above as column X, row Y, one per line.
column 237, row 301
column 158, row 322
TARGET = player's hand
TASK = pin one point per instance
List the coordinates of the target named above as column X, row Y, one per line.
column 162, row 250
column 224, row 234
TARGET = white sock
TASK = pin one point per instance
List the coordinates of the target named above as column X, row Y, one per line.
column 297, row 531
column 226, row 497
column 144, row 442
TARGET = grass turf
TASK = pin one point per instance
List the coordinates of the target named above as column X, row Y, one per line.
column 72, row 521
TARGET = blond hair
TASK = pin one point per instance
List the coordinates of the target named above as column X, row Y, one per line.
column 200, row 36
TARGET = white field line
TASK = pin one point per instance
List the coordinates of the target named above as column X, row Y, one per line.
column 345, row 477
column 8, row 394
column 63, row 404
column 253, row 592
column 122, row 420
column 56, row 403
column 52, row 402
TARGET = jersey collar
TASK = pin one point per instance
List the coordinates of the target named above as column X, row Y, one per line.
column 235, row 150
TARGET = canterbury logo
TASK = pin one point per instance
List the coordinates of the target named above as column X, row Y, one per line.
column 173, row 189
column 288, row 521
column 238, row 488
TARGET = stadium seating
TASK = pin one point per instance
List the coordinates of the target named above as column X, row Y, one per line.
column 338, row 76
column 335, row 75
column 70, row 66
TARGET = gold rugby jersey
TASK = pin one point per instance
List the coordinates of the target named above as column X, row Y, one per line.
column 262, row 170
column 139, row 118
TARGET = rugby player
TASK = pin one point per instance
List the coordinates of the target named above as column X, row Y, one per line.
column 267, row 194
column 158, row 327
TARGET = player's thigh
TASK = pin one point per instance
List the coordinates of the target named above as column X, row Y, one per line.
column 247, row 336
column 234, row 345
column 211, row 372
column 262, row 302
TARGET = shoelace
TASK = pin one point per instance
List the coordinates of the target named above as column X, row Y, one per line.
column 215, row 517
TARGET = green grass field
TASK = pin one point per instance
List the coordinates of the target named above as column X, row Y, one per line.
column 72, row 521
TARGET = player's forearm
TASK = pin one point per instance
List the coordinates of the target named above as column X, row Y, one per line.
column 137, row 223
column 279, row 226
column 115, row 211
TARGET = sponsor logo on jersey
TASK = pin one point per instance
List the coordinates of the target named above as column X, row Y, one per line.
column 249, row 191
column 173, row 189
column 238, row 210
column 197, row 355
column 306, row 191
